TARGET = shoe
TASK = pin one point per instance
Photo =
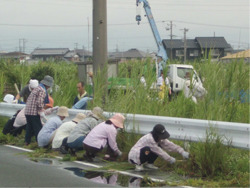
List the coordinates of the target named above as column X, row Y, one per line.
column 72, row 152
column 63, row 150
column 151, row 166
column 86, row 158
column 139, row 168
column 109, row 158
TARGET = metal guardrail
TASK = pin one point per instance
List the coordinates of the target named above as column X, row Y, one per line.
column 179, row 128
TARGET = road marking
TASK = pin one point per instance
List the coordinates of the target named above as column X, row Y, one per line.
column 23, row 149
column 91, row 165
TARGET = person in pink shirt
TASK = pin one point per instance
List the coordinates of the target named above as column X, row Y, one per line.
column 152, row 145
column 102, row 135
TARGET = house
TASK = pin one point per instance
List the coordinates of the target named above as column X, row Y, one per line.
column 200, row 47
column 245, row 55
column 132, row 54
column 78, row 55
column 49, row 53
column 13, row 55
column 22, row 57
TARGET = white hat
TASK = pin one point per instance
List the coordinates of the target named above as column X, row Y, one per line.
column 8, row 98
column 79, row 117
column 33, row 83
column 97, row 112
column 63, row 111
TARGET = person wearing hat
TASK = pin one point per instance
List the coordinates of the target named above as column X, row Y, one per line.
column 152, row 145
column 8, row 98
column 48, row 131
column 101, row 135
column 77, row 135
column 62, row 133
column 34, row 109
column 25, row 92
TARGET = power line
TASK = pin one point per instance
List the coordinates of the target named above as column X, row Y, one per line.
column 124, row 24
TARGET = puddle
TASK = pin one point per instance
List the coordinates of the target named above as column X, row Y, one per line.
column 111, row 178
column 43, row 161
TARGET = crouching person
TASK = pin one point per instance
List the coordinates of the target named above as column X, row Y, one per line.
column 60, row 140
column 102, row 135
column 48, row 131
column 79, row 132
column 152, row 145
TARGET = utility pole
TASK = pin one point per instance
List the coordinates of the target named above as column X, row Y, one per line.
column 88, row 33
column 171, row 38
column 185, row 44
column 99, row 35
column 24, row 41
column 20, row 48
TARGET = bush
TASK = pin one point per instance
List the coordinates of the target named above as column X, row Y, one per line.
column 210, row 157
column 38, row 72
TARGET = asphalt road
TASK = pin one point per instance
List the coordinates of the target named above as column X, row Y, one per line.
column 17, row 170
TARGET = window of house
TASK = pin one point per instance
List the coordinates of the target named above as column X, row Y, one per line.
column 215, row 52
column 179, row 53
column 194, row 53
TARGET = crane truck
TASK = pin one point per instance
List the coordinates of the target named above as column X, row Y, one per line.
column 176, row 72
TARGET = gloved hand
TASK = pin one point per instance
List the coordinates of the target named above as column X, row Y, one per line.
column 42, row 115
column 15, row 101
column 55, row 108
column 172, row 160
column 119, row 153
column 185, row 155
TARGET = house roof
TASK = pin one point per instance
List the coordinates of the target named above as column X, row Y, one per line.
column 178, row 43
column 82, row 52
column 13, row 54
column 132, row 53
column 212, row 42
column 50, row 51
column 244, row 54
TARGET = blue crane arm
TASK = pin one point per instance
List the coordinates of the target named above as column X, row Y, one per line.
column 161, row 50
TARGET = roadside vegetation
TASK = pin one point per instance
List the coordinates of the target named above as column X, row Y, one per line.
column 211, row 163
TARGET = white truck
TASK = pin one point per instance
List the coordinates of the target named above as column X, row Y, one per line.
column 184, row 77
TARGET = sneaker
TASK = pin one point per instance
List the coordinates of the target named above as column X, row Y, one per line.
column 63, row 150
column 150, row 166
column 139, row 168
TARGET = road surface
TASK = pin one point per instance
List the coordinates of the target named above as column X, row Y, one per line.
column 17, row 170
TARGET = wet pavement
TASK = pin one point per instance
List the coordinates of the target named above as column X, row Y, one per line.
column 92, row 172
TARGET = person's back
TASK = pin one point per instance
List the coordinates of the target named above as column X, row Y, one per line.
column 48, row 130
column 62, row 132
column 83, row 128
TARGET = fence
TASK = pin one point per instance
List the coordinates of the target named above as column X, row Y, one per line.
column 179, row 128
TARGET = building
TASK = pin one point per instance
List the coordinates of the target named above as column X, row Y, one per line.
column 200, row 47
column 132, row 54
column 78, row 55
column 49, row 53
column 245, row 55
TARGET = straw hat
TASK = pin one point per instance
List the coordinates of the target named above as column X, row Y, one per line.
column 97, row 112
column 51, row 102
column 8, row 98
column 63, row 111
column 118, row 120
column 48, row 81
column 33, row 83
column 79, row 117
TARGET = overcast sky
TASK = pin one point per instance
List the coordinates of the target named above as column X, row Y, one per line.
column 63, row 23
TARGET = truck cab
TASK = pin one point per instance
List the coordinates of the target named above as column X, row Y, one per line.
column 177, row 75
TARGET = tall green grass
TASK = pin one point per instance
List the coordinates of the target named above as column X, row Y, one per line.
column 223, row 83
